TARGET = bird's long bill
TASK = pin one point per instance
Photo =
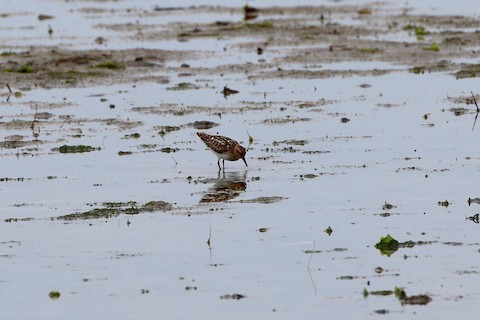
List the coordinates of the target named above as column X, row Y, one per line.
column 245, row 161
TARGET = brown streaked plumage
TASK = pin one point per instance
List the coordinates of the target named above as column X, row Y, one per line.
column 224, row 148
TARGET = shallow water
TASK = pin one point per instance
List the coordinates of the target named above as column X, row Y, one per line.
column 247, row 242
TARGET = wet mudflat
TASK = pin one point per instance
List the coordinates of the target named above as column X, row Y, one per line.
column 361, row 195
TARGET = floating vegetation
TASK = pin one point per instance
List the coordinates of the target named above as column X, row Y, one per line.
column 434, row 47
column 369, row 50
column 401, row 295
column 235, row 296
column 135, row 135
column 459, row 111
column 377, row 293
column 77, row 149
column 203, row 125
column 264, row 200
column 308, row 176
column 288, row 119
column 473, row 200
column 113, row 209
column 388, row 206
column 183, row 86
column 10, row 220
column 167, row 129
column 421, row 299
column 388, row 245
column 250, row 139
column 26, row 68
column 168, row 150
column 417, row 70
column 418, row 30
column 291, row 142
column 112, row 65
column 444, row 203
column 364, row 11
column 73, row 74
column 259, row 25
column 468, row 71
column 54, row 294
column 329, row 231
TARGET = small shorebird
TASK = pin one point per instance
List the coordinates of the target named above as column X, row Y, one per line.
column 224, row 148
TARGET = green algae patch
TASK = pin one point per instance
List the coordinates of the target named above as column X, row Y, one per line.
column 54, row 294
column 434, row 47
column 382, row 293
column 112, row 65
column 417, row 70
column 114, row 209
column 387, row 245
column 77, row 149
column 418, row 30
column 369, row 50
column 26, row 68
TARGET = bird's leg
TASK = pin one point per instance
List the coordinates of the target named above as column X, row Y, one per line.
column 223, row 164
column 219, row 168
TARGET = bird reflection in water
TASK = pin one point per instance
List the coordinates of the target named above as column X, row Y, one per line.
column 228, row 186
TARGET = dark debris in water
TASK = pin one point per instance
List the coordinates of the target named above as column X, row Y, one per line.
column 444, row 203
column 388, row 206
column 235, row 296
column 76, row 149
column 227, row 91
column 10, row 220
